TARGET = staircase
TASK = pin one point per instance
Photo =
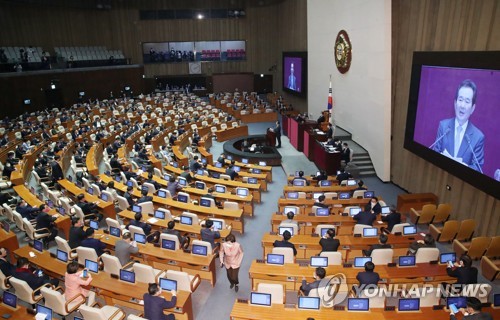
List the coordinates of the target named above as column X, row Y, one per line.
column 361, row 158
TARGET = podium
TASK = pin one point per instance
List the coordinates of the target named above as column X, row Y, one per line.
column 271, row 137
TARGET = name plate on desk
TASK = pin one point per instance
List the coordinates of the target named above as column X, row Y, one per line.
column 178, row 309
column 172, row 262
column 302, row 246
column 291, row 278
column 339, row 308
column 272, row 233
column 383, row 280
column 347, row 265
column 346, row 248
column 260, row 261
column 337, row 224
column 428, row 278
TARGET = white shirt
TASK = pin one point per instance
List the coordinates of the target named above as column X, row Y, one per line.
column 462, row 133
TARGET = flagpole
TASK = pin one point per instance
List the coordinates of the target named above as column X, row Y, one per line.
column 330, row 98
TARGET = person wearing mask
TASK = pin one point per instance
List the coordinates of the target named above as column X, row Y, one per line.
column 382, row 244
column 319, row 274
column 472, row 311
column 208, row 234
column 464, row 272
column 328, row 242
column 125, row 247
column 76, row 232
column 231, row 256
column 75, row 284
column 6, row 267
column 285, row 243
column 155, row 303
column 373, row 206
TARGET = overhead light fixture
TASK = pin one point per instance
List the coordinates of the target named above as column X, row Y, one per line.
column 200, row 16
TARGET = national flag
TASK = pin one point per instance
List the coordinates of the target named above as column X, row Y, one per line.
column 330, row 99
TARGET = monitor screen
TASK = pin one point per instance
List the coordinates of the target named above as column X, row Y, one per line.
column 252, row 180
column 370, row 232
column 359, row 262
column 409, row 304
column 217, row 224
column 168, row 285
column 244, row 160
column 368, row 194
column 205, row 202
column 220, row 189
column 324, row 231
column 496, row 300
column 204, row 161
column 159, row 214
column 445, row 257
column 318, row 262
column 316, row 195
column 354, row 211
column 136, row 208
column 104, row 197
column 358, row 304
column 166, row 177
column 260, row 299
column 278, row 259
column 114, row 231
column 168, row 244
column 215, row 175
column 175, row 165
column 459, row 302
column 199, row 250
column 283, row 229
column 257, row 171
column 162, row 194
column 292, row 195
column 94, row 224
column 79, row 184
column 407, row 261
column 344, row 195
column 295, row 73
column 242, row 192
column 38, row 245
column 218, row 165
column 10, row 299
column 62, row 256
column 229, row 157
column 186, row 220
column 199, row 185
column 325, row 183
column 322, row 212
column 385, row 210
column 90, row 190
column 118, row 178
column 44, row 310
column 236, row 168
column 182, row 182
column 61, row 211
column 182, row 198
column 127, row 276
column 310, row 303
column 292, row 209
column 299, row 183
column 140, row 238
column 130, row 183
column 262, row 163
column 50, row 203
column 92, row 266
column 351, row 182
column 409, row 230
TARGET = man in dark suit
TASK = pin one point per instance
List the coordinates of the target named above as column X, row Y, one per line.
column 231, row 172
column 76, row 232
column 23, row 272
column 365, row 218
column 186, row 175
column 382, row 244
column 392, row 219
column 457, row 138
column 91, row 242
column 183, row 240
column 473, row 311
column 464, row 272
column 329, row 133
column 195, row 164
column 114, row 163
column 151, row 237
column 343, row 176
column 208, row 234
column 88, row 208
column 277, row 131
column 361, row 186
column 319, row 274
column 210, row 195
column 347, row 153
column 5, row 266
column 300, row 177
column 321, row 202
column 128, row 195
column 144, row 196
column 321, row 177
column 373, row 206
column 155, row 303
column 26, row 211
column 57, row 173
column 46, row 221
column 151, row 180
column 285, row 242
column 368, row 277
column 328, row 242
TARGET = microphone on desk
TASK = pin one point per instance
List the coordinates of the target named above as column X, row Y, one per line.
column 473, row 153
column 440, row 137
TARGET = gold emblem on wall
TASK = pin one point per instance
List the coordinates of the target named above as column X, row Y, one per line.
column 343, row 52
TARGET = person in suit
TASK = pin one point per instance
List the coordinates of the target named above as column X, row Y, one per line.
column 464, row 272
column 319, row 274
column 35, row 281
column 428, row 242
column 222, row 159
column 321, row 118
column 115, row 164
column 208, row 234
column 144, row 197
column 6, row 267
column 125, row 247
column 392, row 219
column 329, row 132
column 473, row 311
column 128, row 195
column 347, row 153
column 373, row 206
column 277, row 131
column 46, row 221
column 152, row 181
column 369, row 276
column 154, row 303
column 210, row 195
column 195, row 164
column 290, row 215
column 183, row 240
column 173, row 186
column 292, row 80
column 343, row 175
column 300, row 177
column 151, row 237
column 91, row 242
column 285, row 242
column 365, row 217
column 321, row 202
column 361, row 186
column 328, row 242
column 57, row 173
column 322, row 176
column 186, row 175
column 382, row 244
column 88, row 208
column 457, row 138
column 76, row 232
column 231, row 172
column 26, row 211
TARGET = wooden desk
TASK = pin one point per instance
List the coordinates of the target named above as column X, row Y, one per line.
column 20, row 314
column 231, row 133
column 259, row 117
column 310, row 179
column 336, row 206
column 261, row 177
column 245, row 203
column 9, row 242
column 91, row 160
column 328, row 161
column 113, row 291
column 415, row 200
column 312, row 189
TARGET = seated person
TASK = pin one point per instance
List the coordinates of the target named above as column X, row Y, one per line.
column 34, row 279
column 173, row 186
column 322, row 176
column 125, row 247
column 91, row 242
column 231, row 172
column 195, row 164
column 26, row 210
column 365, row 218
column 368, row 277
column 328, row 242
column 473, row 311
column 74, row 283
column 343, row 176
column 285, row 242
column 382, row 244
column 144, row 197
column 151, row 237
column 186, row 175
column 111, row 189
column 46, row 221
column 210, row 195
column 361, row 186
column 300, row 177
column 155, row 303
column 464, row 272
column 290, row 215
column 128, row 196
column 151, row 180
column 428, row 242
column 392, row 219
column 5, row 266
column 208, row 234
column 321, row 202
column 373, row 206
column 183, row 240
column 76, row 232
column 319, row 274
column 222, row 159
column 88, row 208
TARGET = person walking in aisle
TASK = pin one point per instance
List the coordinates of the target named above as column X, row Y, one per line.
column 231, row 255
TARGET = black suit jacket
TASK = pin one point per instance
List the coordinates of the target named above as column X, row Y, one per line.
column 285, row 244
column 376, row 208
column 44, row 220
column 464, row 275
column 376, row 246
column 7, row 268
column 154, row 306
column 392, row 219
column 476, row 316
column 368, row 278
column 27, row 275
column 57, row 173
column 144, row 199
column 319, row 204
column 329, row 244
column 343, row 176
column 76, row 236
column 365, row 218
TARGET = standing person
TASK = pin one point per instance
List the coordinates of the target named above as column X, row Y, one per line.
column 231, row 255
column 154, row 303
column 277, row 130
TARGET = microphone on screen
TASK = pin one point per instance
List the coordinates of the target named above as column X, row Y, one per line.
column 473, row 153
column 440, row 137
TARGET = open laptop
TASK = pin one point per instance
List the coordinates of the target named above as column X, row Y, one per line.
column 262, row 163
column 409, row 230
column 282, row 230
column 6, row 226
column 344, row 195
column 10, row 299
column 407, row 261
column 217, row 225
column 168, row 284
column 351, row 182
column 385, row 210
column 236, row 168
column 358, row 304
column 140, row 238
column 199, row 250
column 130, row 183
column 359, row 262
column 252, row 180
column 288, row 209
column 316, row 261
column 218, row 165
column 244, row 160
column 316, row 195
column 448, row 256
column 199, row 172
column 199, row 185
column 182, row 182
column 299, row 183
column 260, row 299
column 127, row 276
column 412, row 304
column 186, row 220
column 62, row 256
column 309, row 303
column 256, row 171
column 354, row 211
column 44, row 310
column 115, row 232
column 92, row 266
column 459, row 302
column 292, row 195
column 90, row 190
column 322, row 212
column 370, row 232
column 205, row 202
column 104, row 197
column 323, row 231
column 276, row 259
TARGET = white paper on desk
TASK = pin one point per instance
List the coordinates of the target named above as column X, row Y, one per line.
column 32, row 255
column 152, row 220
column 380, row 222
column 40, row 316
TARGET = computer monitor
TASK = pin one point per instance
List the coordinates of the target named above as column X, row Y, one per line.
column 358, row 304
column 199, row 250
column 162, row 194
column 351, row 182
column 114, row 231
column 344, row 195
column 229, row 157
column 94, row 224
column 316, row 195
column 359, row 262
column 140, row 238
column 322, row 212
column 186, row 220
column 175, row 165
column 297, row 174
column 107, row 172
column 199, row 185
column 323, row 231
column 205, row 202
column 309, row 303
column 262, row 163
column 236, row 169
column 10, row 299
column 385, row 210
column 370, row 232
column 448, row 256
column 215, row 175
column 182, row 198
column 62, row 256
column 44, row 310
column 92, row 266
column 61, row 211
column 292, row 195
column 166, row 177
column 459, row 302
column 218, row 165
column 50, row 203
column 242, row 192
column 496, row 300
column 257, row 171
column 168, row 285
column 292, row 209
column 368, row 194
column 204, row 161
column 104, row 197
column 159, row 214
column 118, row 178
column 220, row 189
column 412, row 304
column 144, row 188
column 283, row 229
column 70, row 178
column 325, row 183
column 136, row 208
column 127, row 276
column 244, row 160
column 318, row 262
column 182, row 182
column 407, row 261
column 409, row 230
column 168, row 244
column 277, row 259
column 130, row 183
column 6, row 226
column 252, row 180
column 90, row 190
column 260, row 299
column 354, row 211
column 79, row 184
column 299, row 183
column 38, row 245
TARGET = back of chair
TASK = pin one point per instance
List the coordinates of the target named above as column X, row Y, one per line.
column 150, row 186
column 54, row 300
column 230, row 205
column 134, row 229
column 203, row 243
column 358, row 194
column 86, row 254
column 334, row 258
column 170, row 237
column 182, row 278
column 494, row 248
column 122, row 203
column 18, row 219
column 63, row 245
column 478, row 247
column 92, row 313
column 425, row 255
column 358, row 228
column 376, row 300
column 399, row 227
column 449, row 231
column 144, row 273
column 466, row 230
column 443, row 212
column 275, row 290
column 147, row 207
column 23, row 290
column 294, row 226
column 427, row 214
column 111, row 264
column 382, row 256
column 286, row 252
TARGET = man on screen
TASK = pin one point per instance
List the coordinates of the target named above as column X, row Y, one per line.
column 457, row 138
column 292, row 81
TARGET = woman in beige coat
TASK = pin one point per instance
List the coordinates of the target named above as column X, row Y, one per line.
column 231, row 255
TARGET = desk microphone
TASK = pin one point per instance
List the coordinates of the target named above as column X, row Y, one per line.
column 440, row 137
column 473, row 153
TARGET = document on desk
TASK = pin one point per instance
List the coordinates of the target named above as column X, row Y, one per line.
column 152, row 220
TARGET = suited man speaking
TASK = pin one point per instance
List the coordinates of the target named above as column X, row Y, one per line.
column 457, row 138
column 292, row 80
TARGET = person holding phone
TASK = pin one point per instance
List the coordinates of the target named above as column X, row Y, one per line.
column 464, row 272
column 75, row 283
column 472, row 312
column 155, row 303
column 231, row 255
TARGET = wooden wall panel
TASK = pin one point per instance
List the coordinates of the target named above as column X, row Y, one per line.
column 439, row 25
